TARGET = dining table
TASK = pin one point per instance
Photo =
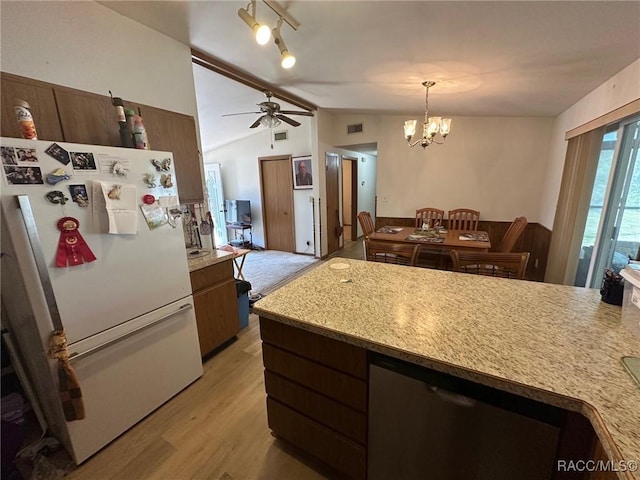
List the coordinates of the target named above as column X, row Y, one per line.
column 473, row 240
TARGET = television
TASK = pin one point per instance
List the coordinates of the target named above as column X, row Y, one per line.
column 237, row 212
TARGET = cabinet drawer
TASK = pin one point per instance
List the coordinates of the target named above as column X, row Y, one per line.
column 324, row 444
column 208, row 276
column 332, row 383
column 327, row 351
column 342, row 419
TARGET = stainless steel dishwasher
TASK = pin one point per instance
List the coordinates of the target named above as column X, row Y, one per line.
column 427, row 425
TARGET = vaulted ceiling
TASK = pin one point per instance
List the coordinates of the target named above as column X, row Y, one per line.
column 500, row 58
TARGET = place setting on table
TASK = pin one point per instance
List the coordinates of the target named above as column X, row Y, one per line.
column 462, row 239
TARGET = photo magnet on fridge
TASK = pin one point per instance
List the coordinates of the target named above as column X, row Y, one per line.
column 56, row 151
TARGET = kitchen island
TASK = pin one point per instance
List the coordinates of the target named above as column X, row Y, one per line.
column 558, row 345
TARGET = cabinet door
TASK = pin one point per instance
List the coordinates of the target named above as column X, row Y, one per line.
column 216, row 315
column 39, row 96
column 87, row 117
column 176, row 133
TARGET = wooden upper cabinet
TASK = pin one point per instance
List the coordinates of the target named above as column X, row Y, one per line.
column 175, row 132
column 65, row 114
column 87, row 117
column 40, row 97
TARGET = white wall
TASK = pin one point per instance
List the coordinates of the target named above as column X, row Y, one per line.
column 619, row 90
column 241, row 177
column 485, row 160
column 87, row 46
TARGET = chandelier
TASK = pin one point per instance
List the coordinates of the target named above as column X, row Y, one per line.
column 430, row 127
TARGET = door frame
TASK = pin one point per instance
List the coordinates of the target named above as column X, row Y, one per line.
column 265, row 225
column 614, row 201
column 353, row 214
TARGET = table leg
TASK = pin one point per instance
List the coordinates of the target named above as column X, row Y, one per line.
column 239, row 267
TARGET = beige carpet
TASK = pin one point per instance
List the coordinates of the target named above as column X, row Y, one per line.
column 267, row 269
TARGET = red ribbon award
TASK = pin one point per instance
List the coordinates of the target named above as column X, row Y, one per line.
column 72, row 248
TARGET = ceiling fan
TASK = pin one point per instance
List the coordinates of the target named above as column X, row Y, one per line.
column 272, row 114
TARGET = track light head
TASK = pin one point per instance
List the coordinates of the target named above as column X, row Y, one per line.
column 287, row 60
column 261, row 32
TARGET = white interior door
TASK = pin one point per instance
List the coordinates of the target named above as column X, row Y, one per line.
column 216, row 201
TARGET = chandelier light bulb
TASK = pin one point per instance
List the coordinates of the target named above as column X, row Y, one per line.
column 410, row 128
column 445, row 127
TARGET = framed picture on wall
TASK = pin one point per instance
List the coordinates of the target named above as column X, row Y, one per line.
column 302, row 174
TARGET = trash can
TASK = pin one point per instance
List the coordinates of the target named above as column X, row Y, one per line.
column 242, row 289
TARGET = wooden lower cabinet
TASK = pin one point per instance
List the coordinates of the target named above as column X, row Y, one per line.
column 317, row 395
column 317, row 400
column 216, row 305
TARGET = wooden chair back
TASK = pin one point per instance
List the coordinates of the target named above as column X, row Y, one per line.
column 463, row 219
column 433, row 217
column 389, row 252
column 512, row 235
column 493, row 264
column 366, row 222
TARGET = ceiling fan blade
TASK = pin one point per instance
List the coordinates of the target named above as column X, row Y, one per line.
column 257, row 122
column 290, row 121
column 243, row 113
column 291, row 112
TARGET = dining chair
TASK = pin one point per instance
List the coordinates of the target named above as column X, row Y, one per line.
column 366, row 222
column 494, row 264
column 463, row 219
column 511, row 236
column 433, row 217
column 388, row 252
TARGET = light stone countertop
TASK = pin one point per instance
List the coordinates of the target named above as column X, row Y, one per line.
column 213, row 257
column 557, row 344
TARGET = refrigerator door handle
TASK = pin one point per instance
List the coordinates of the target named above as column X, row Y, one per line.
column 73, row 356
column 41, row 264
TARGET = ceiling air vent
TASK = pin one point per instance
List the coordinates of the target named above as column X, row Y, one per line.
column 277, row 136
column 354, row 128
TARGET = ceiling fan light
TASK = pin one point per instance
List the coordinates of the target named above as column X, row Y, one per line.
column 288, row 60
column 269, row 122
column 263, row 34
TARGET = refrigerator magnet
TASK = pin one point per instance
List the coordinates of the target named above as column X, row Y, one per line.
column 162, row 166
column 119, row 170
column 150, row 180
column 57, row 176
column 114, row 193
column 56, row 196
column 149, row 199
column 72, row 249
column 79, row 195
column 166, row 181
column 60, row 154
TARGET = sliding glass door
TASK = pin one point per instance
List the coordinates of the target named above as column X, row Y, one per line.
column 612, row 231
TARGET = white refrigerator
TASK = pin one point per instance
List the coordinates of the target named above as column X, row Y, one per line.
column 128, row 315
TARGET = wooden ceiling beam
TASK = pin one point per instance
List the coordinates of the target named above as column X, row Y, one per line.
column 234, row 73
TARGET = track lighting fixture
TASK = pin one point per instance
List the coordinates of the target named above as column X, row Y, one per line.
column 286, row 59
column 261, row 32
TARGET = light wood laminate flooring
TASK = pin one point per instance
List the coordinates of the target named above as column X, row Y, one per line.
column 214, row 429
